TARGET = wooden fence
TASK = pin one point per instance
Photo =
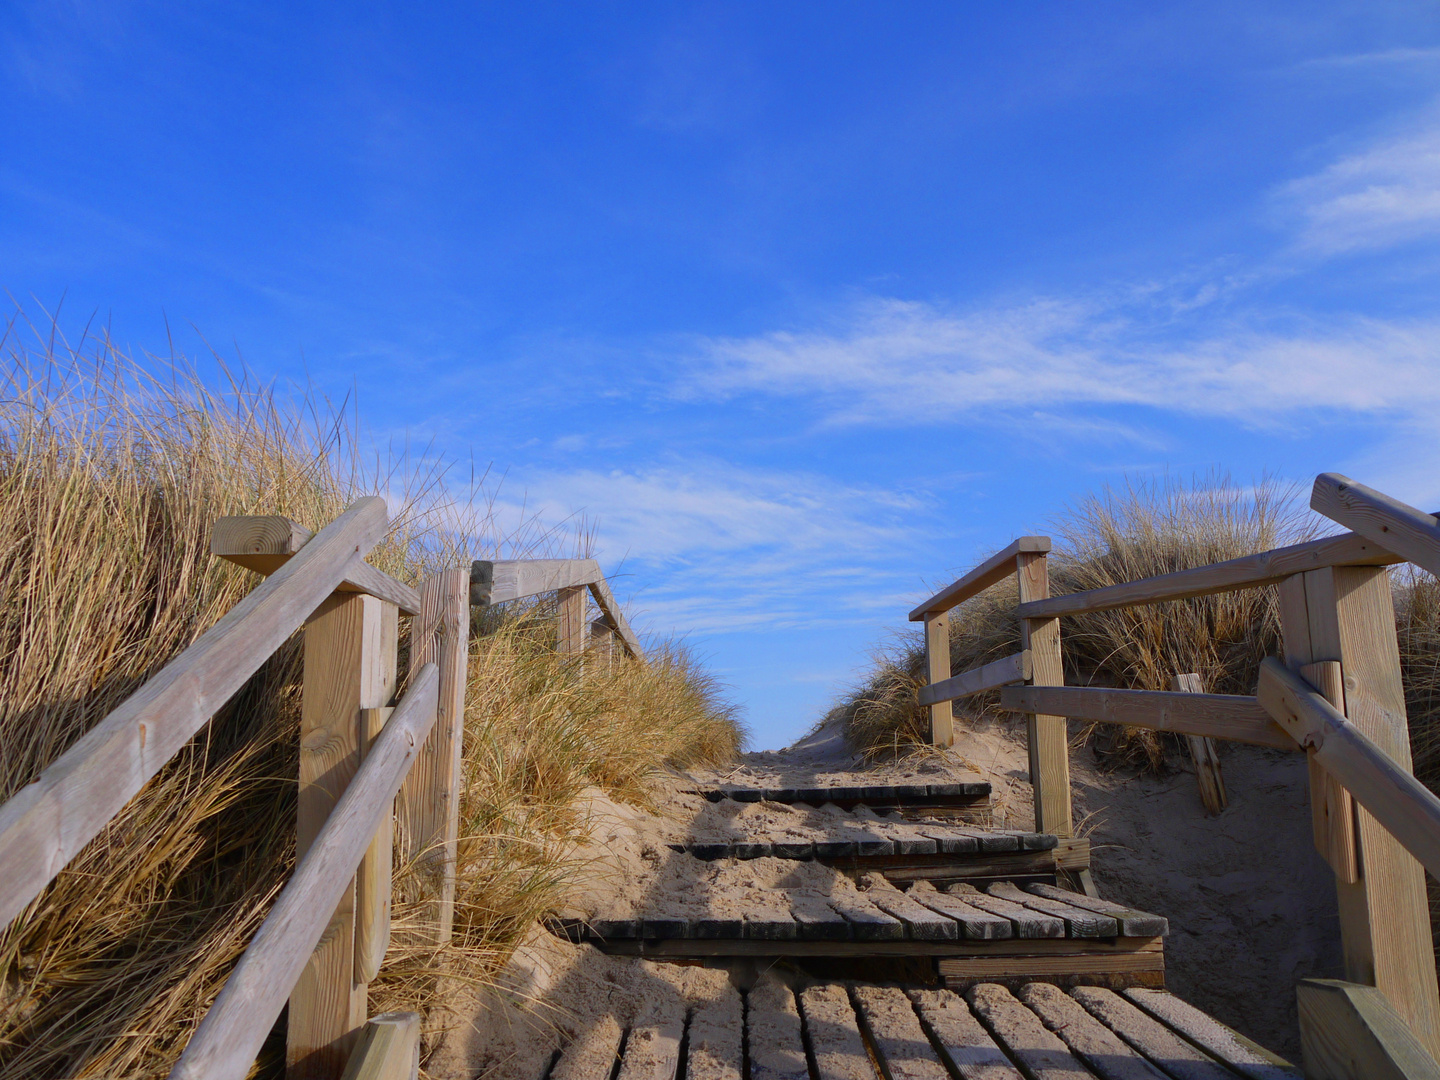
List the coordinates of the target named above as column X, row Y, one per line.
column 373, row 777
column 1336, row 696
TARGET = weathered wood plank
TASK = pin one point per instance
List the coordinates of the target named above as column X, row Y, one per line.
column 570, row 620
column 1038, row 1051
column 1350, row 1032
column 1079, row 923
column 1247, row 1058
column 1332, row 808
column 921, row 923
column 373, row 878
column 1091, row 1041
column 1011, row 669
column 389, row 1049
column 900, row 1043
column 496, row 581
column 594, row 1054
column 966, row 1047
column 835, row 1041
column 1132, row 923
column 1139, row 961
column 1220, row 716
column 717, row 1038
column 266, row 543
column 1246, row 572
column 1177, row 1057
column 48, row 821
column 652, row 1049
column 615, row 617
column 975, row 924
column 1394, row 525
column 816, row 920
column 777, row 1050
column 867, row 922
column 1048, row 741
column 937, row 664
column 1028, row 923
column 228, row 1038
column 1203, row 754
column 992, row 571
column 1072, row 953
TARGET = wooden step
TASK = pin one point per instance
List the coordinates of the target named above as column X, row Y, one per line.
column 867, row 839
column 861, row 1031
column 967, row 800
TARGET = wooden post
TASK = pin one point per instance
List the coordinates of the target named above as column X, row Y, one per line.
column 1048, row 738
column 373, row 879
column 1203, row 752
column 937, row 658
column 428, row 810
column 350, row 646
column 1346, row 614
column 604, row 642
column 570, row 619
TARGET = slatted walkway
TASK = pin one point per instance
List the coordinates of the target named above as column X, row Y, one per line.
column 861, row 1031
column 963, row 798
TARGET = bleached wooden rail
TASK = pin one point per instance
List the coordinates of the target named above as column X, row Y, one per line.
column 324, row 939
column 1337, row 696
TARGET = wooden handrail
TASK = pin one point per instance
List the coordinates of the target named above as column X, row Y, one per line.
column 1246, row 572
column 1407, row 809
column 499, row 580
column 46, row 823
column 605, row 601
column 993, row 570
column 227, row 1040
column 1011, row 669
column 1397, row 526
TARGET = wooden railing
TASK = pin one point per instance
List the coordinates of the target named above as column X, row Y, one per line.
column 325, row 938
column 1337, row 696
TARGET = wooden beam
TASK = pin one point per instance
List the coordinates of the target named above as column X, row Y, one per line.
column 1396, row 526
column 1332, row 808
column 349, row 667
column 1048, row 737
column 500, row 580
column 605, row 601
column 48, row 821
column 225, row 1044
column 570, row 620
column 937, row 667
column 1407, row 809
column 1216, row 716
column 1351, row 1032
column 1202, row 752
column 969, row 948
column 373, row 879
column 1247, row 572
column 428, row 810
column 389, row 1049
column 992, row 571
column 1011, row 669
column 265, row 543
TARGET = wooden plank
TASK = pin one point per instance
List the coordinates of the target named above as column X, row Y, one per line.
column 1028, row 923
column 1132, row 923
column 1011, row 669
column 992, row 571
column 1249, row 1059
column 962, row 1043
column 716, row 1038
column 836, row 1045
column 373, row 878
column 594, row 1054
column 1079, row 923
column 428, row 811
column 389, row 1049
column 901, row 1047
column 570, row 620
column 652, row 1049
column 1091, row 1041
column 1053, row 957
column 1247, row 572
column 1074, row 951
column 1220, row 716
column 1203, row 753
column 605, row 601
column 776, row 1048
column 1332, row 808
column 1179, row 1058
column 1047, row 738
column 228, row 1038
column 816, row 920
column 496, row 581
column 1394, row 525
column 1039, row 1052
column 349, row 667
column 266, row 543
column 974, row 924
column 922, row 923
column 867, row 922
column 937, row 664
column 48, row 821
column 1350, row 1032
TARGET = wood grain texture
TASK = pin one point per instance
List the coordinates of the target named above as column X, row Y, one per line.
column 389, row 1049
column 499, row 580
column 266, row 543
column 1332, row 809
column 1218, row 716
column 605, row 601
column 428, row 810
column 373, row 880
column 1352, row 1032
column 1247, row 572
column 992, row 571
column 1047, row 737
column 1247, row 1058
column 48, row 821
column 1203, row 753
column 228, row 1038
column 889, row 1021
column 1010, row 669
column 1394, row 525
column 937, row 667
column 570, row 620
column 349, row 666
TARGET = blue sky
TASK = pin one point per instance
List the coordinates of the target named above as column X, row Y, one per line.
column 806, row 306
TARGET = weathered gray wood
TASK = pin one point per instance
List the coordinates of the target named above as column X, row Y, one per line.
column 593, row 1054
column 570, row 620
column 1178, row 1058
column 48, row 821
column 266, row 543
column 605, row 600
column 496, row 581
column 975, row 924
column 899, row 1042
column 965, row 1046
column 1219, row 716
column 228, row 1038
column 1394, row 525
column 1203, row 755
column 652, row 1050
column 373, row 878
column 1039, row 1052
column 937, row 669
column 1011, row 669
column 1028, row 923
column 818, row 921
column 1351, row 1032
column 1047, row 739
column 992, row 571
column 835, row 1041
column 777, row 1050
column 1246, row 572
column 867, row 922
column 1247, row 1058
column 389, row 1049
column 1079, row 923
column 921, row 923
column 1090, row 1040
column 1132, row 923
column 1407, row 809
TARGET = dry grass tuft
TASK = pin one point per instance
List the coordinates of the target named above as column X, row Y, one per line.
column 109, row 483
